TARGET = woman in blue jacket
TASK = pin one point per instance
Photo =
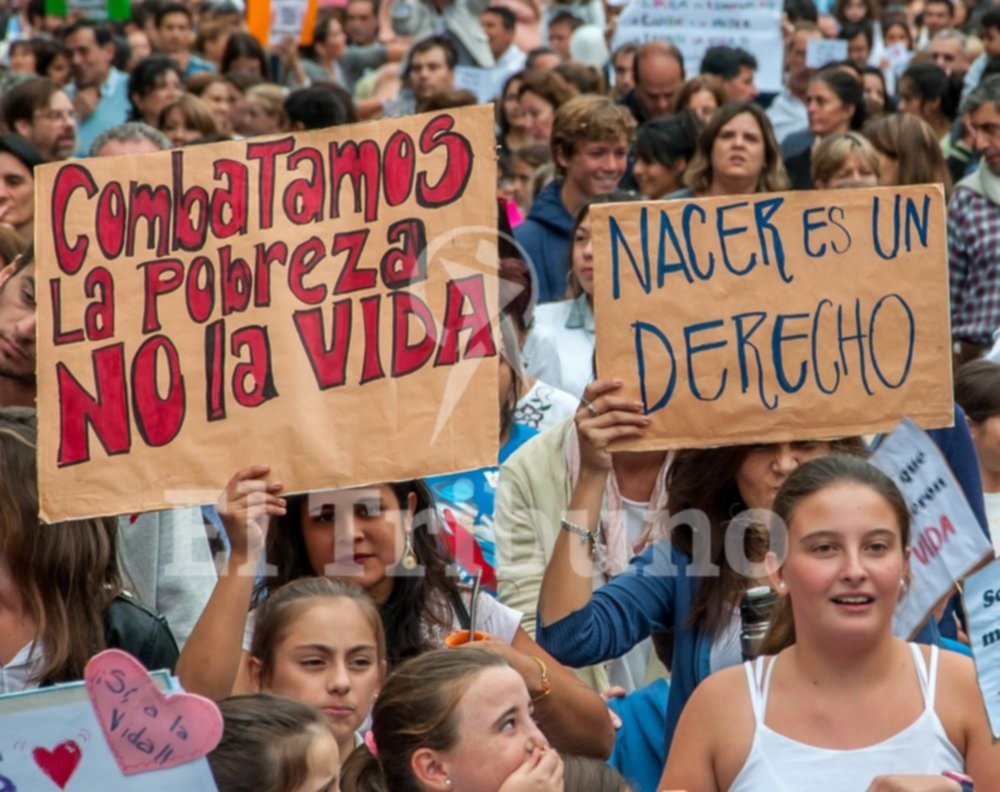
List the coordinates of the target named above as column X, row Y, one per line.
column 690, row 583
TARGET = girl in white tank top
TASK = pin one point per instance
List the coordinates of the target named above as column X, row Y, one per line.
column 780, row 764
column 844, row 679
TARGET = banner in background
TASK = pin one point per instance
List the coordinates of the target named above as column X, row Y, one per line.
column 695, row 25
column 982, row 606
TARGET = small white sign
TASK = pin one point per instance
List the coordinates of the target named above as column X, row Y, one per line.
column 820, row 52
column 478, row 81
column 982, row 606
column 898, row 57
column 945, row 540
column 287, row 17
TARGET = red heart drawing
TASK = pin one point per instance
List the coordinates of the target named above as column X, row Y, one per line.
column 144, row 728
column 60, row 763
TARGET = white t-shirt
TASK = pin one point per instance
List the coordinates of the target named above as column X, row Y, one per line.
column 15, row 675
column 992, row 500
column 561, row 355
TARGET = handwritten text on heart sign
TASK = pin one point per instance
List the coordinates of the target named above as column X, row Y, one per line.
column 145, row 729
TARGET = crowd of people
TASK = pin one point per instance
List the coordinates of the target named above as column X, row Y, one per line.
column 541, row 624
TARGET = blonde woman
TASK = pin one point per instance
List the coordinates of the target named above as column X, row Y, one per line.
column 845, row 160
column 264, row 111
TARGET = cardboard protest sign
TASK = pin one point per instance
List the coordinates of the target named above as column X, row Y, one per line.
column 50, row 738
column 323, row 302
column 783, row 316
column 946, row 541
column 695, row 25
column 982, row 606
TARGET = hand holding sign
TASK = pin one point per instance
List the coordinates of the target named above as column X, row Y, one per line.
column 145, row 729
column 246, row 507
column 605, row 416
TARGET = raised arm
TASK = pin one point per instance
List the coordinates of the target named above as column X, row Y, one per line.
column 603, row 418
column 211, row 658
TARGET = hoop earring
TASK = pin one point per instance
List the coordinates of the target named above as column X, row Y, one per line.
column 409, row 559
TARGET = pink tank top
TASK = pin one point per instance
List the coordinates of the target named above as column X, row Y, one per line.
column 780, row 764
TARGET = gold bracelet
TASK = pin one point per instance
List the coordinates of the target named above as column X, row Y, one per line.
column 546, row 685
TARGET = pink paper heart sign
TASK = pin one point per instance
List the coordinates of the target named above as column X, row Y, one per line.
column 146, row 729
column 59, row 764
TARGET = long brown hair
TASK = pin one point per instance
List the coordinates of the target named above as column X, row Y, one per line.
column 705, row 480
column 65, row 573
column 414, row 600
column 910, row 141
column 810, row 478
column 414, row 710
column 698, row 177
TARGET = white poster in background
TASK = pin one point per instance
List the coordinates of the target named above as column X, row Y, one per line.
column 820, row 52
column 478, row 81
column 286, row 20
column 695, row 25
column 982, row 606
column 899, row 58
column 946, row 541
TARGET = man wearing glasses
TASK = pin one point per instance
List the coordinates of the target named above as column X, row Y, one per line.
column 40, row 111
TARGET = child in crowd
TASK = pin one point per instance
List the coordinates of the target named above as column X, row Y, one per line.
column 384, row 539
column 458, row 720
column 274, row 743
column 843, row 705
column 321, row 642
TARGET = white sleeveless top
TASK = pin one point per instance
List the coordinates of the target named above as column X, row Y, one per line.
column 779, row 764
